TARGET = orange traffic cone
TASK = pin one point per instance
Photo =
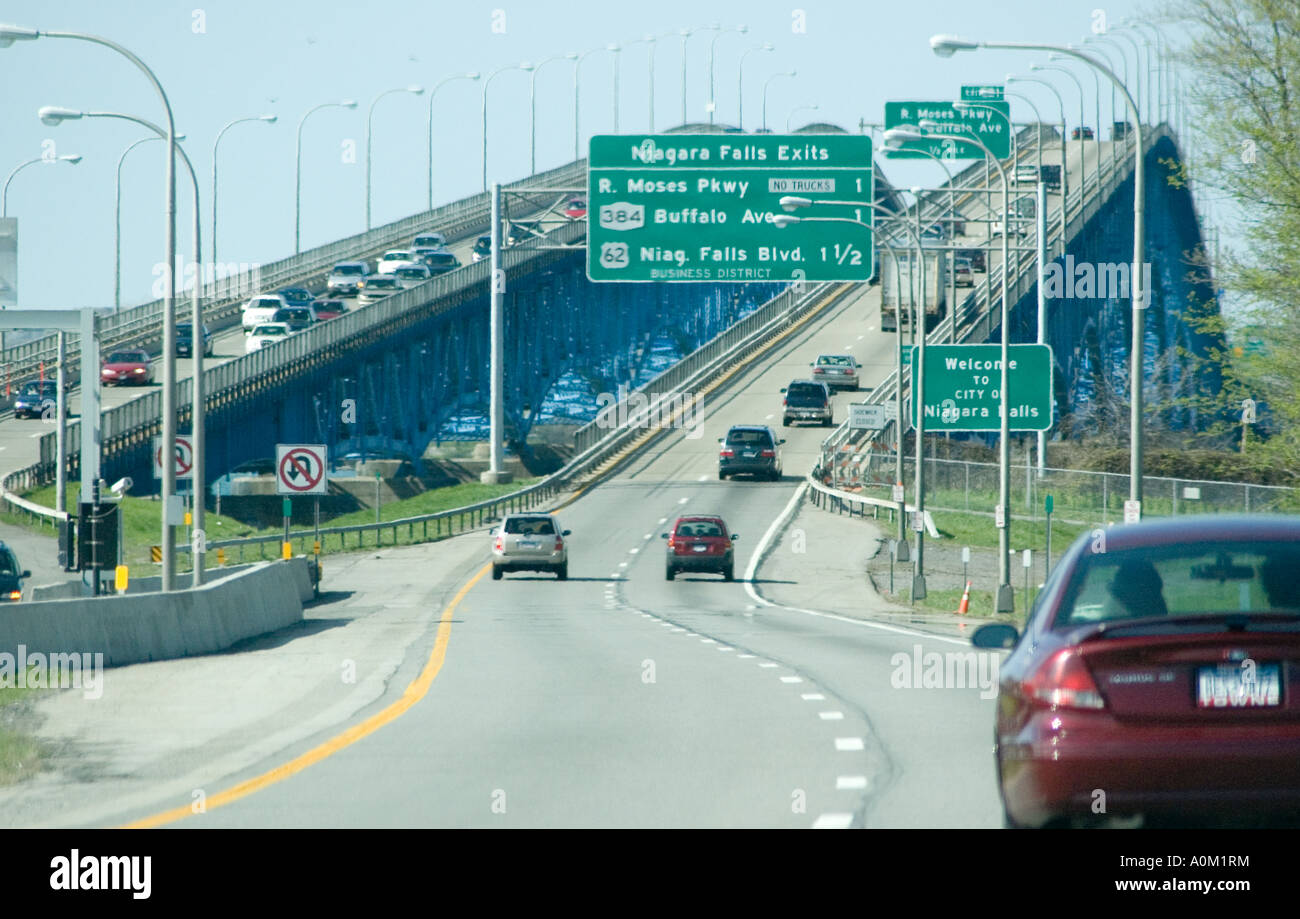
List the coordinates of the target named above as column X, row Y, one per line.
column 964, row 606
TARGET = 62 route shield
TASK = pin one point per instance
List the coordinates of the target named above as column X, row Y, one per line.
column 692, row 207
column 300, row 469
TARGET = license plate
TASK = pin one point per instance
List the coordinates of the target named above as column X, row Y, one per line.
column 750, row 454
column 699, row 548
column 1239, row 686
column 529, row 544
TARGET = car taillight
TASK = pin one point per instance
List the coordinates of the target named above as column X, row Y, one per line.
column 672, row 541
column 15, row 595
column 1064, row 682
column 768, row 454
column 785, row 402
column 500, row 545
column 819, row 370
column 727, row 452
column 559, row 544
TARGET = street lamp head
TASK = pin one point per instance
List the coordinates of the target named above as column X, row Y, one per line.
column 896, row 137
column 349, row 103
column 525, row 66
column 791, row 202
column 742, row 29
column 928, row 124
column 474, row 74
column 10, row 34
column 781, row 221
column 1012, row 78
column 416, row 90
column 55, row 115
column 269, row 119
column 570, row 56
column 73, row 158
column 615, row 47
column 961, row 105
column 947, row 45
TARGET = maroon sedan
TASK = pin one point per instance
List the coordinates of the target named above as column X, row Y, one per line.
column 127, row 367
column 1158, row 679
column 700, row 544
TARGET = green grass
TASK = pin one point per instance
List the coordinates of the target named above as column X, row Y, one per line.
column 20, row 755
column 981, row 603
column 142, row 521
column 977, row 530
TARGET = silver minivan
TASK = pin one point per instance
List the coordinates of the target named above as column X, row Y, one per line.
column 529, row 542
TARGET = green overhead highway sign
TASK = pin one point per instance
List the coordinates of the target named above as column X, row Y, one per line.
column 693, row 207
column 988, row 124
column 981, row 93
column 961, row 387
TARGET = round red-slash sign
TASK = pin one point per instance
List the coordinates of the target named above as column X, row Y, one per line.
column 301, row 470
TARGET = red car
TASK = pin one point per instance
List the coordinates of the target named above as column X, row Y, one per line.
column 329, row 308
column 575, row 208
column 1158, row 679
column 700, row 544
column 127, row 367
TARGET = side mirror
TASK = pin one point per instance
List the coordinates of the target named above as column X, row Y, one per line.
column 783, row 389
column 663, row 535
column 781, row 441
column 995, row 635
column 735, row 536
column 566, row 532
column 719, row 440
column 27, row 573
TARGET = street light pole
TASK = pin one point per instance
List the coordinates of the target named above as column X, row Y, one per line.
column 945, row 46
column 740, row 82
column 297, row 170
column 432, row 95
column 686, row 34
column 532, row 112
column 8, row 35
column 713, row 96
column 268, row 119
column 525, row 66
column 72, row 158
column 577, row 68
column 795, row 111
column 766, row 83
column 117, row 222
column 370, row 117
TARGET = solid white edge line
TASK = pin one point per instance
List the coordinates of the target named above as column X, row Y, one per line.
column 761, row 549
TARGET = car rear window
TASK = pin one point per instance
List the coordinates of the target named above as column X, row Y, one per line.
column 805, row 394
column 1184, row 580
column 701, row 528
column 749, row 437
column 835, row 360
column 440, row 259
column 409, row 273
column 530, row 526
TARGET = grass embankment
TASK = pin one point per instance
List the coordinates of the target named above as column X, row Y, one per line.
column 20, row 755
column 142, row 521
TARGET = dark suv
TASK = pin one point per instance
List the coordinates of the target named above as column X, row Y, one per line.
column 750, row 449
column 11, row 576
column 37, row 400
column 700, row 544
column 806, row 400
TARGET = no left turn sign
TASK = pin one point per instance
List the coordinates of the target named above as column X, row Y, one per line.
column 300, row 469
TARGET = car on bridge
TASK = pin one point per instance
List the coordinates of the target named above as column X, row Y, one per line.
column 976, row 255
column 1159, row 664
column 529, row 542
column 376, row 287
column 522, row 231
column 37, row 399
column 807, row 400
column 482, row 247
column 750, row 449
column 575, row 208
column 963, row 272
column 296, row 318
column 260, row 309
column 394, row 259
column 1082, row 133
column 12, row 575
column 328, row 308
column 185, row 340
column 128, row 366
column 297, row 296
column 702, row 544
column 409, row 276
column 439, row 260
column 344, row 277
column 429, row 240
column 838, row 371
column 265, row 335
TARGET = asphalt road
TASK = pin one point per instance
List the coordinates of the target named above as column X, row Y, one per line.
column 619, row 699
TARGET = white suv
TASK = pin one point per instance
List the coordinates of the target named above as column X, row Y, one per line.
column 261, row 309
column 394, row 259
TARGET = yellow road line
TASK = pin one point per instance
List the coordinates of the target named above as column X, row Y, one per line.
column 413, row 694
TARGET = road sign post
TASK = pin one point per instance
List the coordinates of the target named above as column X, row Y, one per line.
column 692, row 207
column 1047, row 562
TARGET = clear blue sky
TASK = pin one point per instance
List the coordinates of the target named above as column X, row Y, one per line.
column 228, row 59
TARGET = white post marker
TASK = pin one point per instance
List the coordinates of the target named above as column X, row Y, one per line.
column 300, row 469
column 900, row 494
column 999, row 517
column 1132, row 511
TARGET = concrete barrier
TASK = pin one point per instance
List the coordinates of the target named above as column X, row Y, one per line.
column 128, row 629
column 76, row 589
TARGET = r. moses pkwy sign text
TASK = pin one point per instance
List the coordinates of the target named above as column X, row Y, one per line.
column 690, row 207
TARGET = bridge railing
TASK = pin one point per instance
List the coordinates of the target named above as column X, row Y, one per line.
column 222, row 297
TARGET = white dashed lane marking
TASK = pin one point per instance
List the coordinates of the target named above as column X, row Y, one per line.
column 831, row 716
column 812, row 697
column 833, row 822
column 850, row 782
column 791, row 679
column 849, row 744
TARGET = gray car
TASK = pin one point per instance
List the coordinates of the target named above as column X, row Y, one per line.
column 529, row 542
